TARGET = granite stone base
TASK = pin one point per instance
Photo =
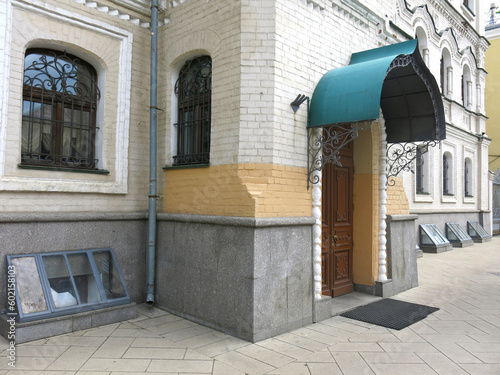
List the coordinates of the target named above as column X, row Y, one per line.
column 384, row 288
column 436, row 248
column 464, row 243
column 481, row 239
column 326, row 307
column 125, row 233
column 401, row 255
column 248, row 277
column 43, row 328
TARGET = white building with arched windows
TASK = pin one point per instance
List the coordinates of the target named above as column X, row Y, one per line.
column 452, row 182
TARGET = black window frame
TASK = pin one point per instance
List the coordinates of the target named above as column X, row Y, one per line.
column 446, row 175
column 420, row 172
column 60, row 99
column 194, row 111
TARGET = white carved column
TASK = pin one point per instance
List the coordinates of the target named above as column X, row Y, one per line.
column 316, row 212
column 382, row 240
column 426, row 56
column 449, row 89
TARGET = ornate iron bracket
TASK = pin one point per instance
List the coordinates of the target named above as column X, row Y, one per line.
column 324, row 145
column 400, row 157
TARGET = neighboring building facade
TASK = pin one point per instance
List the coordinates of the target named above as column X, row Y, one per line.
column 492, row 62
column 256, row 230
column 451, row 182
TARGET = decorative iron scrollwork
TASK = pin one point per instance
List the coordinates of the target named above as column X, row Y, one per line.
column 400, row 157
column 325, row 144
column 61, row 73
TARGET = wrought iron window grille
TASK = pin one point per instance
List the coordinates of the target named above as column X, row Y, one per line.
column 193, row 89
column 446, row 188
column 60, row 96
column 419, row 171
column 467, row 180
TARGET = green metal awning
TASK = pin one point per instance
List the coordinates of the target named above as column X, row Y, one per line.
column 393, row 78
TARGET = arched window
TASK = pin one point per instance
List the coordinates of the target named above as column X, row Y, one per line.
column 420, row 168
column 442, row 76
column 466, row 88
column 468, row 178
column 469, row 4
column 447, row 174
column 446, row 74
column 194, row 89
column 60, row 96
column 422, row 44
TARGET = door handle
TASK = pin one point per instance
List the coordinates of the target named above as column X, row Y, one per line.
column 334, row 237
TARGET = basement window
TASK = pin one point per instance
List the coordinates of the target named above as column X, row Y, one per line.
column 477, row 232
column 432, row 240
column 55, row 284
column 457, row 235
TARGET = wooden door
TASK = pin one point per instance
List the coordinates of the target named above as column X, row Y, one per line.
column 337, row 225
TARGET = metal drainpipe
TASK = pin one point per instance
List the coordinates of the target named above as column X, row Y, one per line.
column 151, row 251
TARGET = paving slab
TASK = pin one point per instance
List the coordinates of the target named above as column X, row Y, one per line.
column 462, row 338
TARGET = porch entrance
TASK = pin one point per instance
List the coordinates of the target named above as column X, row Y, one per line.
column 337, row 224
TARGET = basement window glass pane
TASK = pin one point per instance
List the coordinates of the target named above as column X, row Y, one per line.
column 83, row 275
column 61, row 287
column 29, row 286
column 61, row 283
column 108, row 274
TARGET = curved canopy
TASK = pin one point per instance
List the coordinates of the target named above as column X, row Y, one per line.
column 393, row 78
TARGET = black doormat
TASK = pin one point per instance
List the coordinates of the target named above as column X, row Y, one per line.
column 390, row 313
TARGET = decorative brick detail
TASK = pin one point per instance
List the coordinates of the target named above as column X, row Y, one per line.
column 397, row 201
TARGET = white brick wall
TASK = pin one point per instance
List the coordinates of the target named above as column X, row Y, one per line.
column 196, row 28
column 119, row 51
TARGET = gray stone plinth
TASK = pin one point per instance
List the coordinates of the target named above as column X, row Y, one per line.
column 384, row 288
column 436, row 248
column 401, row 255
column 248, row 277
column 464, row 243
column 43, row 328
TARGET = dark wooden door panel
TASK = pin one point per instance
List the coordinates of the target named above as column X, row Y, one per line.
column 337, row 229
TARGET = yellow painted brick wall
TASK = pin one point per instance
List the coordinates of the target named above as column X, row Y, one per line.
column 397, row 201
column 366, row 206
column 251, row 190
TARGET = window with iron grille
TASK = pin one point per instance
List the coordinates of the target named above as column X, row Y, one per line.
column 442, row 76
column 420, row 177
column 193, row 89
column 60, row 96
column 468, row 177
column 447, row 188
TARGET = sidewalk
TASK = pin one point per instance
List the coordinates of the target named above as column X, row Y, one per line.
column 463, row 337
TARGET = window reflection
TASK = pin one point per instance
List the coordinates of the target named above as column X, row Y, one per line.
column 85, row 282
column 61, row 288
column 108, row 274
